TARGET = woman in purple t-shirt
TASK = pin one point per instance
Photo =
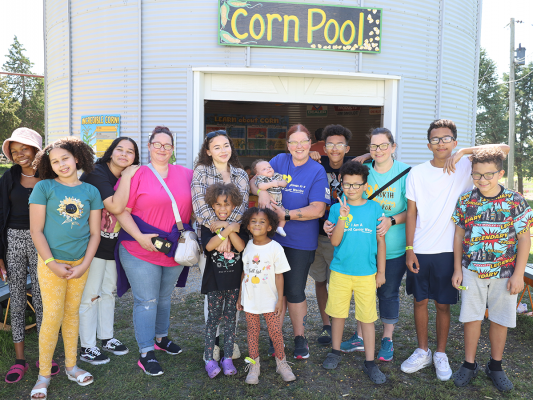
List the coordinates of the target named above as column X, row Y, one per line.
column 304, row 202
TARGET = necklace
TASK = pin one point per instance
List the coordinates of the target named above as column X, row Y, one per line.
column 27, row 176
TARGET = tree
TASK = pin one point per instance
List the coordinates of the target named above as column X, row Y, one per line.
column 492, row 124
column 524, row 124
column 8, row 111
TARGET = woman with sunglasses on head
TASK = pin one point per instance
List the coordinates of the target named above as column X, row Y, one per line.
column 304, row 202
column 393, row 201
column 153, row 273
column 97, row 308
column 217, row 162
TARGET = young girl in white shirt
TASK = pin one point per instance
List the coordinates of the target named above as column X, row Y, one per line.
column 264, row 263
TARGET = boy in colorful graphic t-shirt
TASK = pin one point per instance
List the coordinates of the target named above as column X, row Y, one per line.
column 491, row 248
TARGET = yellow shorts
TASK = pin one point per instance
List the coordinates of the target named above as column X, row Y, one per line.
column 340, row 291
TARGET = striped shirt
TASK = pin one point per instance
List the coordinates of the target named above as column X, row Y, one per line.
column 203, row 177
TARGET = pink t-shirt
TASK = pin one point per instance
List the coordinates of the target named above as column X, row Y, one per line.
column 150, row 202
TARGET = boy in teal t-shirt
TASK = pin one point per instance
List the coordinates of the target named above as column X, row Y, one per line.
column 358, row 266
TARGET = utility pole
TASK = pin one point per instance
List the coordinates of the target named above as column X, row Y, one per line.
column 512, row 114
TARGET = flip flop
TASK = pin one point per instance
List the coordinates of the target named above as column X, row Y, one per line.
column 17, row 369
column 55, row 367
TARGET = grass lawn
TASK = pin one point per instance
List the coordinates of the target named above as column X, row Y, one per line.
column 185, row 376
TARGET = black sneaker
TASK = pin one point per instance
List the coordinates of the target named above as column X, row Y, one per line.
column 93, row 355
column 115, row 346
column 168, row 346
column 149, row 364
column 325, row 337
column 301, row 348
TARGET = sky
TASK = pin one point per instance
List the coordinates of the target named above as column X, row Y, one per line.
column 494, row 34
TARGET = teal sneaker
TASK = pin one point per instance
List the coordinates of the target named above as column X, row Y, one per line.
column 355, row 343
column 387, row 350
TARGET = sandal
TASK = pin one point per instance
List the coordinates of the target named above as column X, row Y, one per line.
column 499, row 379
column 80, row 379
column 464, row 376
column 375, row 374
column 55, row 367
column 212, row 369
column 17, row 369
column 40, row 379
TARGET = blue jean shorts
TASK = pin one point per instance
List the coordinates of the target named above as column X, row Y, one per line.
column 389, row 293
column 434, row 279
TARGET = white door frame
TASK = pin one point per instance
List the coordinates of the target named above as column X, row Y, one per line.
column 390, row 101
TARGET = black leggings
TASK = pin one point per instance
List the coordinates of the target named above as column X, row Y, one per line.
column 215, row 302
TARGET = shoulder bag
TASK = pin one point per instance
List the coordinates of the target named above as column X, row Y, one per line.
column 188, row 250
column 385, row 186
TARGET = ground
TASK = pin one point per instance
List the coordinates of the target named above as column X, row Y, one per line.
column 185, row 376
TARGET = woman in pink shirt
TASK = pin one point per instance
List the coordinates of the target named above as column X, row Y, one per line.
column 152, row 274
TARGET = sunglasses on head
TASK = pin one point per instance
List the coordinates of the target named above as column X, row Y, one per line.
column 213, row 134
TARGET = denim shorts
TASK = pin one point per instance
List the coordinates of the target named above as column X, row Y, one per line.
column 295, row 280
column 434, row 279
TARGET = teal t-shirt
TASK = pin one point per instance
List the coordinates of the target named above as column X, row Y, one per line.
column 356, row 255
column 67, row 216
column 393, row 201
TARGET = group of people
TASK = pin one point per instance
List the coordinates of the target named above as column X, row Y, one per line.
column 355, row 225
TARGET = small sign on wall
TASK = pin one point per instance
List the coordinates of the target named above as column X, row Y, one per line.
column 299, row 25
column 317, row 111
column 99, row 131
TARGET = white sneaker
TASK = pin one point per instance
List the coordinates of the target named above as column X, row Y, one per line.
column 418, row 360
column 442, row 366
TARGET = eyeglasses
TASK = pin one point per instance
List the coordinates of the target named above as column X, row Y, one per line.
column 213, row 134
column 302, row 143
column 445, row 139
column 487, row 175
column 158, row 145
column 337, row 146
column 382, row 146
column 346, row 185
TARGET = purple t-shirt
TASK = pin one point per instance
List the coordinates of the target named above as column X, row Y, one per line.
column 306, row 184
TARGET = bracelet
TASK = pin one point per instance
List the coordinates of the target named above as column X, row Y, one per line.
column 221, row 237
column 343, row 218
column 49, row 260
column 258, row 191
column 408, row 247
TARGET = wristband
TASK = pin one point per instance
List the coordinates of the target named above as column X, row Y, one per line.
column 49, row 260
column 408, row 247
column 258, row 191
column 221, row 237
column 343, row 218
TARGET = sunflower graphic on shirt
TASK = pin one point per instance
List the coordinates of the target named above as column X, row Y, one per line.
column 71, row 209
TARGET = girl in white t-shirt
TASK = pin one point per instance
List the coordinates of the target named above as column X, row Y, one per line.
column 264, row 263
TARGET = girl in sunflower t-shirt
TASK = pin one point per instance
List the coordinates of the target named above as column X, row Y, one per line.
column 65, row 218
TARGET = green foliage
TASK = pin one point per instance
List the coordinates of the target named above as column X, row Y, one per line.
column 24, row 95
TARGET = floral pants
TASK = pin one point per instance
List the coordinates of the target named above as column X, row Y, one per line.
column 217, row 310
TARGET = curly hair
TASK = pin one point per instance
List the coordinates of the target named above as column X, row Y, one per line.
column 223, row 189
column 272, row 217
column 354, row 168
column 79, row 149
column 336, row 130
column 204, row 159
column 443, row 123
column 486, row 155
column 109, row 152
